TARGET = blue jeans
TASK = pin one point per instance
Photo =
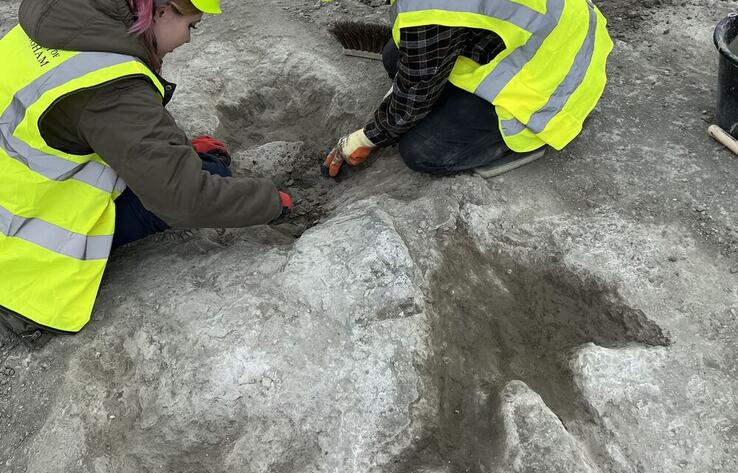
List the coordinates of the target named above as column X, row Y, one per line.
column 460, row 133
column 133, row 221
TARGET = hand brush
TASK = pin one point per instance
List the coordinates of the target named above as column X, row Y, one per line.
column 361, row 39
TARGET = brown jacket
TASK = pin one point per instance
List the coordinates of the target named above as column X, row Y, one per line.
column 126, row 124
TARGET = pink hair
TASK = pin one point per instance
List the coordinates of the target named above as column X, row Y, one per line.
column 143, row 11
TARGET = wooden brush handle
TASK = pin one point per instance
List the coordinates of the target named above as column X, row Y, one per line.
column 724, row 138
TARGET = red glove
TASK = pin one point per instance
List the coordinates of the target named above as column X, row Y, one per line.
column 286, row 200
column 208, row 144
column 287, row 205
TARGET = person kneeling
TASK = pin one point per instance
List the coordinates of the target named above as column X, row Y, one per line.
column 485, row 89
column 90, row 159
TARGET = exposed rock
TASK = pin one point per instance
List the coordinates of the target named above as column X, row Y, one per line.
column 534, row 439
column 647, row 394
column 576, row 315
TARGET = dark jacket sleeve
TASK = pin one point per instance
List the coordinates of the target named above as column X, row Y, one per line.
column 127, row 125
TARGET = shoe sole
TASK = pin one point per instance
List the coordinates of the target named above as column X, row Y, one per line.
column 508, row 163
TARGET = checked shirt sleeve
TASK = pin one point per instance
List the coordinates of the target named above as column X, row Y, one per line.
column 427, row 56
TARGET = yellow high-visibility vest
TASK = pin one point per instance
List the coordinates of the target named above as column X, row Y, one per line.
column 551, row 73
column 57, row 211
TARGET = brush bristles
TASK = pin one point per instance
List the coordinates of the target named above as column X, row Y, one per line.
column 360, row 36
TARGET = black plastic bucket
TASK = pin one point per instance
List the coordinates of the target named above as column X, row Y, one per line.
column 726, row 114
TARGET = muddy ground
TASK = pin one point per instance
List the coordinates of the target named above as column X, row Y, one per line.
column 578, row 314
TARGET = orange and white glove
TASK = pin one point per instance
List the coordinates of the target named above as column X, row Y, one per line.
column 353, row 149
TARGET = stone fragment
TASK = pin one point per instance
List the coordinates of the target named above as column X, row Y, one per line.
column 535, row 440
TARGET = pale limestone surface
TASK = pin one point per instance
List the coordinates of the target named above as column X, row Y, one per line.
column 576, row 315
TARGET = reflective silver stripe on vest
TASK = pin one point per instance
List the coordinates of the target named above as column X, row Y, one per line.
column 515, row 13
column 54, row 238
column 120, row 186
column 509, row 67
column 574, row 78
column 50, row 166
column 511, row 127
column 540, row 26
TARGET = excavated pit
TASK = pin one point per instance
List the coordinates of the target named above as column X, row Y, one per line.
column 299, row 175
column 496, row 318
column 283, row 133
column 290, row 163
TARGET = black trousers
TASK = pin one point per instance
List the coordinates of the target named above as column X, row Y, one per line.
column 459, row 134
column 29, row 333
